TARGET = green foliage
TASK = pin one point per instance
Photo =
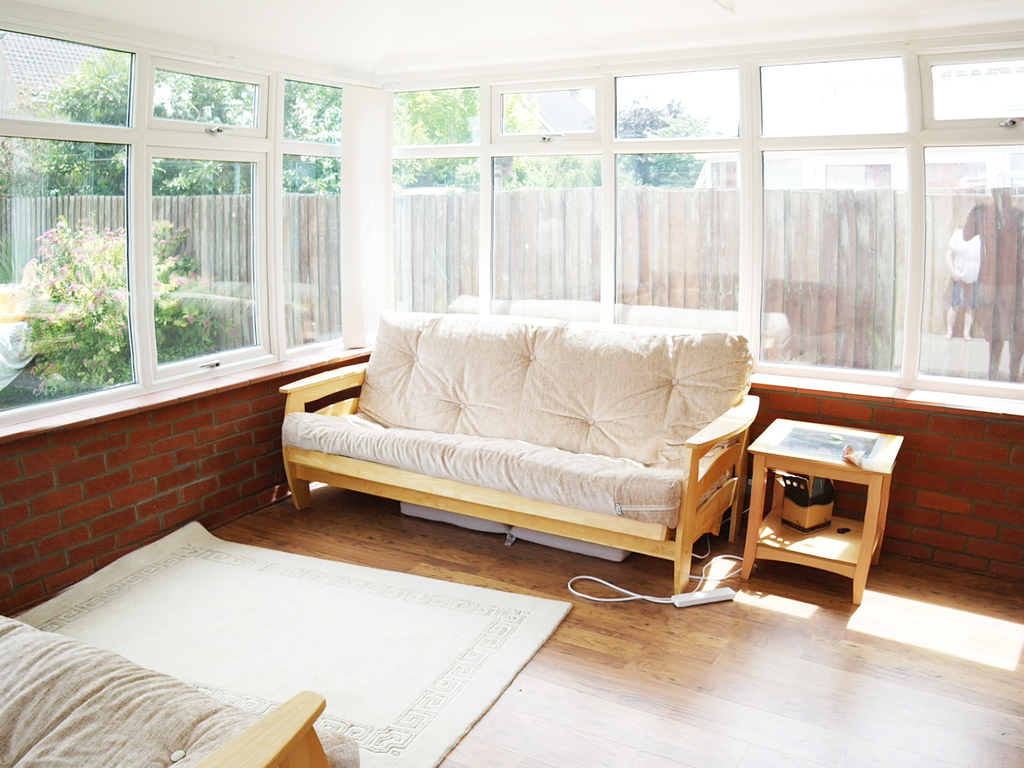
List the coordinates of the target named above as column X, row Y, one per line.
column 184, row 326
column 180, row 96
column 180, row 177
column 450, row 116
column 78, row 306
column 98, row 93
column 312, row 112
column 77, row 295
column 453, row 174
column 659, row 170
column 311, row 175
column 521, row 114
column 552, row 172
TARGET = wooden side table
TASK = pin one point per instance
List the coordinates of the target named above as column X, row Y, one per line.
column 848, row 547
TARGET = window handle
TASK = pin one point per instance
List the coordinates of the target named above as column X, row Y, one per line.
column 211, row 364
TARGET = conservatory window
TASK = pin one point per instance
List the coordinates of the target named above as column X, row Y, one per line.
column 547, row 236
column 974, row 250
column 61, row 81
column 437, row 234
column 203, row 257
column 834, row 98
column 677, row 241
column 311, row 216
column 835, row 252
column 64, row 298
column 678, row 105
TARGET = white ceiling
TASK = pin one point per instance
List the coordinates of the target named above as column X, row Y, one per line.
column 386, row 38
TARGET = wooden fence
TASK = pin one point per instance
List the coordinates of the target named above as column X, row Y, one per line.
column 219, row 231
column 834, row 260
column 835, row 264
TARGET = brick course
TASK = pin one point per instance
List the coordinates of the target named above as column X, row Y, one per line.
column 75, row 499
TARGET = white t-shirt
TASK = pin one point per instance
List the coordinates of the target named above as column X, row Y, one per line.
column 966, row 255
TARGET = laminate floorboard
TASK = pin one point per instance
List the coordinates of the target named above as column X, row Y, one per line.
column 926, row 673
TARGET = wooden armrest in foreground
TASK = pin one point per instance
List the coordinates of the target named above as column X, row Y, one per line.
column 283, row 739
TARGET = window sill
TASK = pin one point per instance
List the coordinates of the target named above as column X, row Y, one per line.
column 898, row 396
column 151, row 400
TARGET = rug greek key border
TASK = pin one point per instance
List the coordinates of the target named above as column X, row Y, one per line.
column 391, row 739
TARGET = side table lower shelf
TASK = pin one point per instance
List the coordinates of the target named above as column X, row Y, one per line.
column 827, row 549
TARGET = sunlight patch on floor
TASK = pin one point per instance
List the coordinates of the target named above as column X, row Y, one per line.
column 970, row 636
column 775, row 603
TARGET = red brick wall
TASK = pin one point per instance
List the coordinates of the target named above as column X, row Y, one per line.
column 74, row 499
column 957, row 495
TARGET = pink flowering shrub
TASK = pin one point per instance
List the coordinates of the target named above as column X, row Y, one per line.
column 78, row 302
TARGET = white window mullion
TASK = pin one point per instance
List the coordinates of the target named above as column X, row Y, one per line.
column 609, row 192
column 486, row 239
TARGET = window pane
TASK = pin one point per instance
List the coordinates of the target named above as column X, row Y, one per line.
column 972, row 325
column 195, row 99
column 981, row 89
column 312, row 247
column 834, row 98
column 437, row 235
column 835, row 234
column 547, row 236
column 63, row 270
column 202, row 257
column 46, row 79
column 677, row 240
column 684, row 104
column 312, row 112
column 548, row 112
column 450, row 116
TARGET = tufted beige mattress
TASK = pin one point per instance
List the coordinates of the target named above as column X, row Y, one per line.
column 64, row 703
column 577, row 416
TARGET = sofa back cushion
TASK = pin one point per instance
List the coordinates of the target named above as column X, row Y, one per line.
column 612, row 392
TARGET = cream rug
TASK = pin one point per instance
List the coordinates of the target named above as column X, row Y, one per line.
column 407, row 664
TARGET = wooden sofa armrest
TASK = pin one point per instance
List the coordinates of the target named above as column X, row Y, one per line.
column 283, row 738
column 733, row 422
column 321, row 385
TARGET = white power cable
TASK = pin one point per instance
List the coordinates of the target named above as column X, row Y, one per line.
column 628, row 595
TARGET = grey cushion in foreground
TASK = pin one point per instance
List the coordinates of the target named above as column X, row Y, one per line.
column 64, row 703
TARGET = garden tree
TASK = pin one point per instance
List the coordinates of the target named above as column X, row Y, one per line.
column 96, row 93
column 449, row 116
column 669, row 121
column 312, row 113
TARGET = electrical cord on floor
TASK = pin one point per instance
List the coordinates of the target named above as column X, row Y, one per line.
column 627, row 595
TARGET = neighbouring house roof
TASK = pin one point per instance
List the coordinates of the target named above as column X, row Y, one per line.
column 562, row 111
column 31, row 65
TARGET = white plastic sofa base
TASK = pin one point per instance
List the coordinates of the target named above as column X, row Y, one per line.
column 513, row 533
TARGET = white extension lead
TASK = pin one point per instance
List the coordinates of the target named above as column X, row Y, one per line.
column 682, row 600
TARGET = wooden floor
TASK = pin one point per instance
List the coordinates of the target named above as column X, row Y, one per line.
column 927, row 673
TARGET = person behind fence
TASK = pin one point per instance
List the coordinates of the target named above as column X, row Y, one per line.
column 963, row 257
column 999, row 294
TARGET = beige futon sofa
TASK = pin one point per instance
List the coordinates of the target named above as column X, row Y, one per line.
column 619, row 437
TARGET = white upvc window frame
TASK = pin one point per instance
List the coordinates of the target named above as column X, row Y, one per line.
column 261, row 83
column 496, row 103
column 184, row 371
column 985, row 125
column 690, row 70
column 468, row 149
column 283, row 147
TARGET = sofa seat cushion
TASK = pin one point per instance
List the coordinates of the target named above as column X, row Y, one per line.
column 582, row 481
column 65, row 703
column 619, row 393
